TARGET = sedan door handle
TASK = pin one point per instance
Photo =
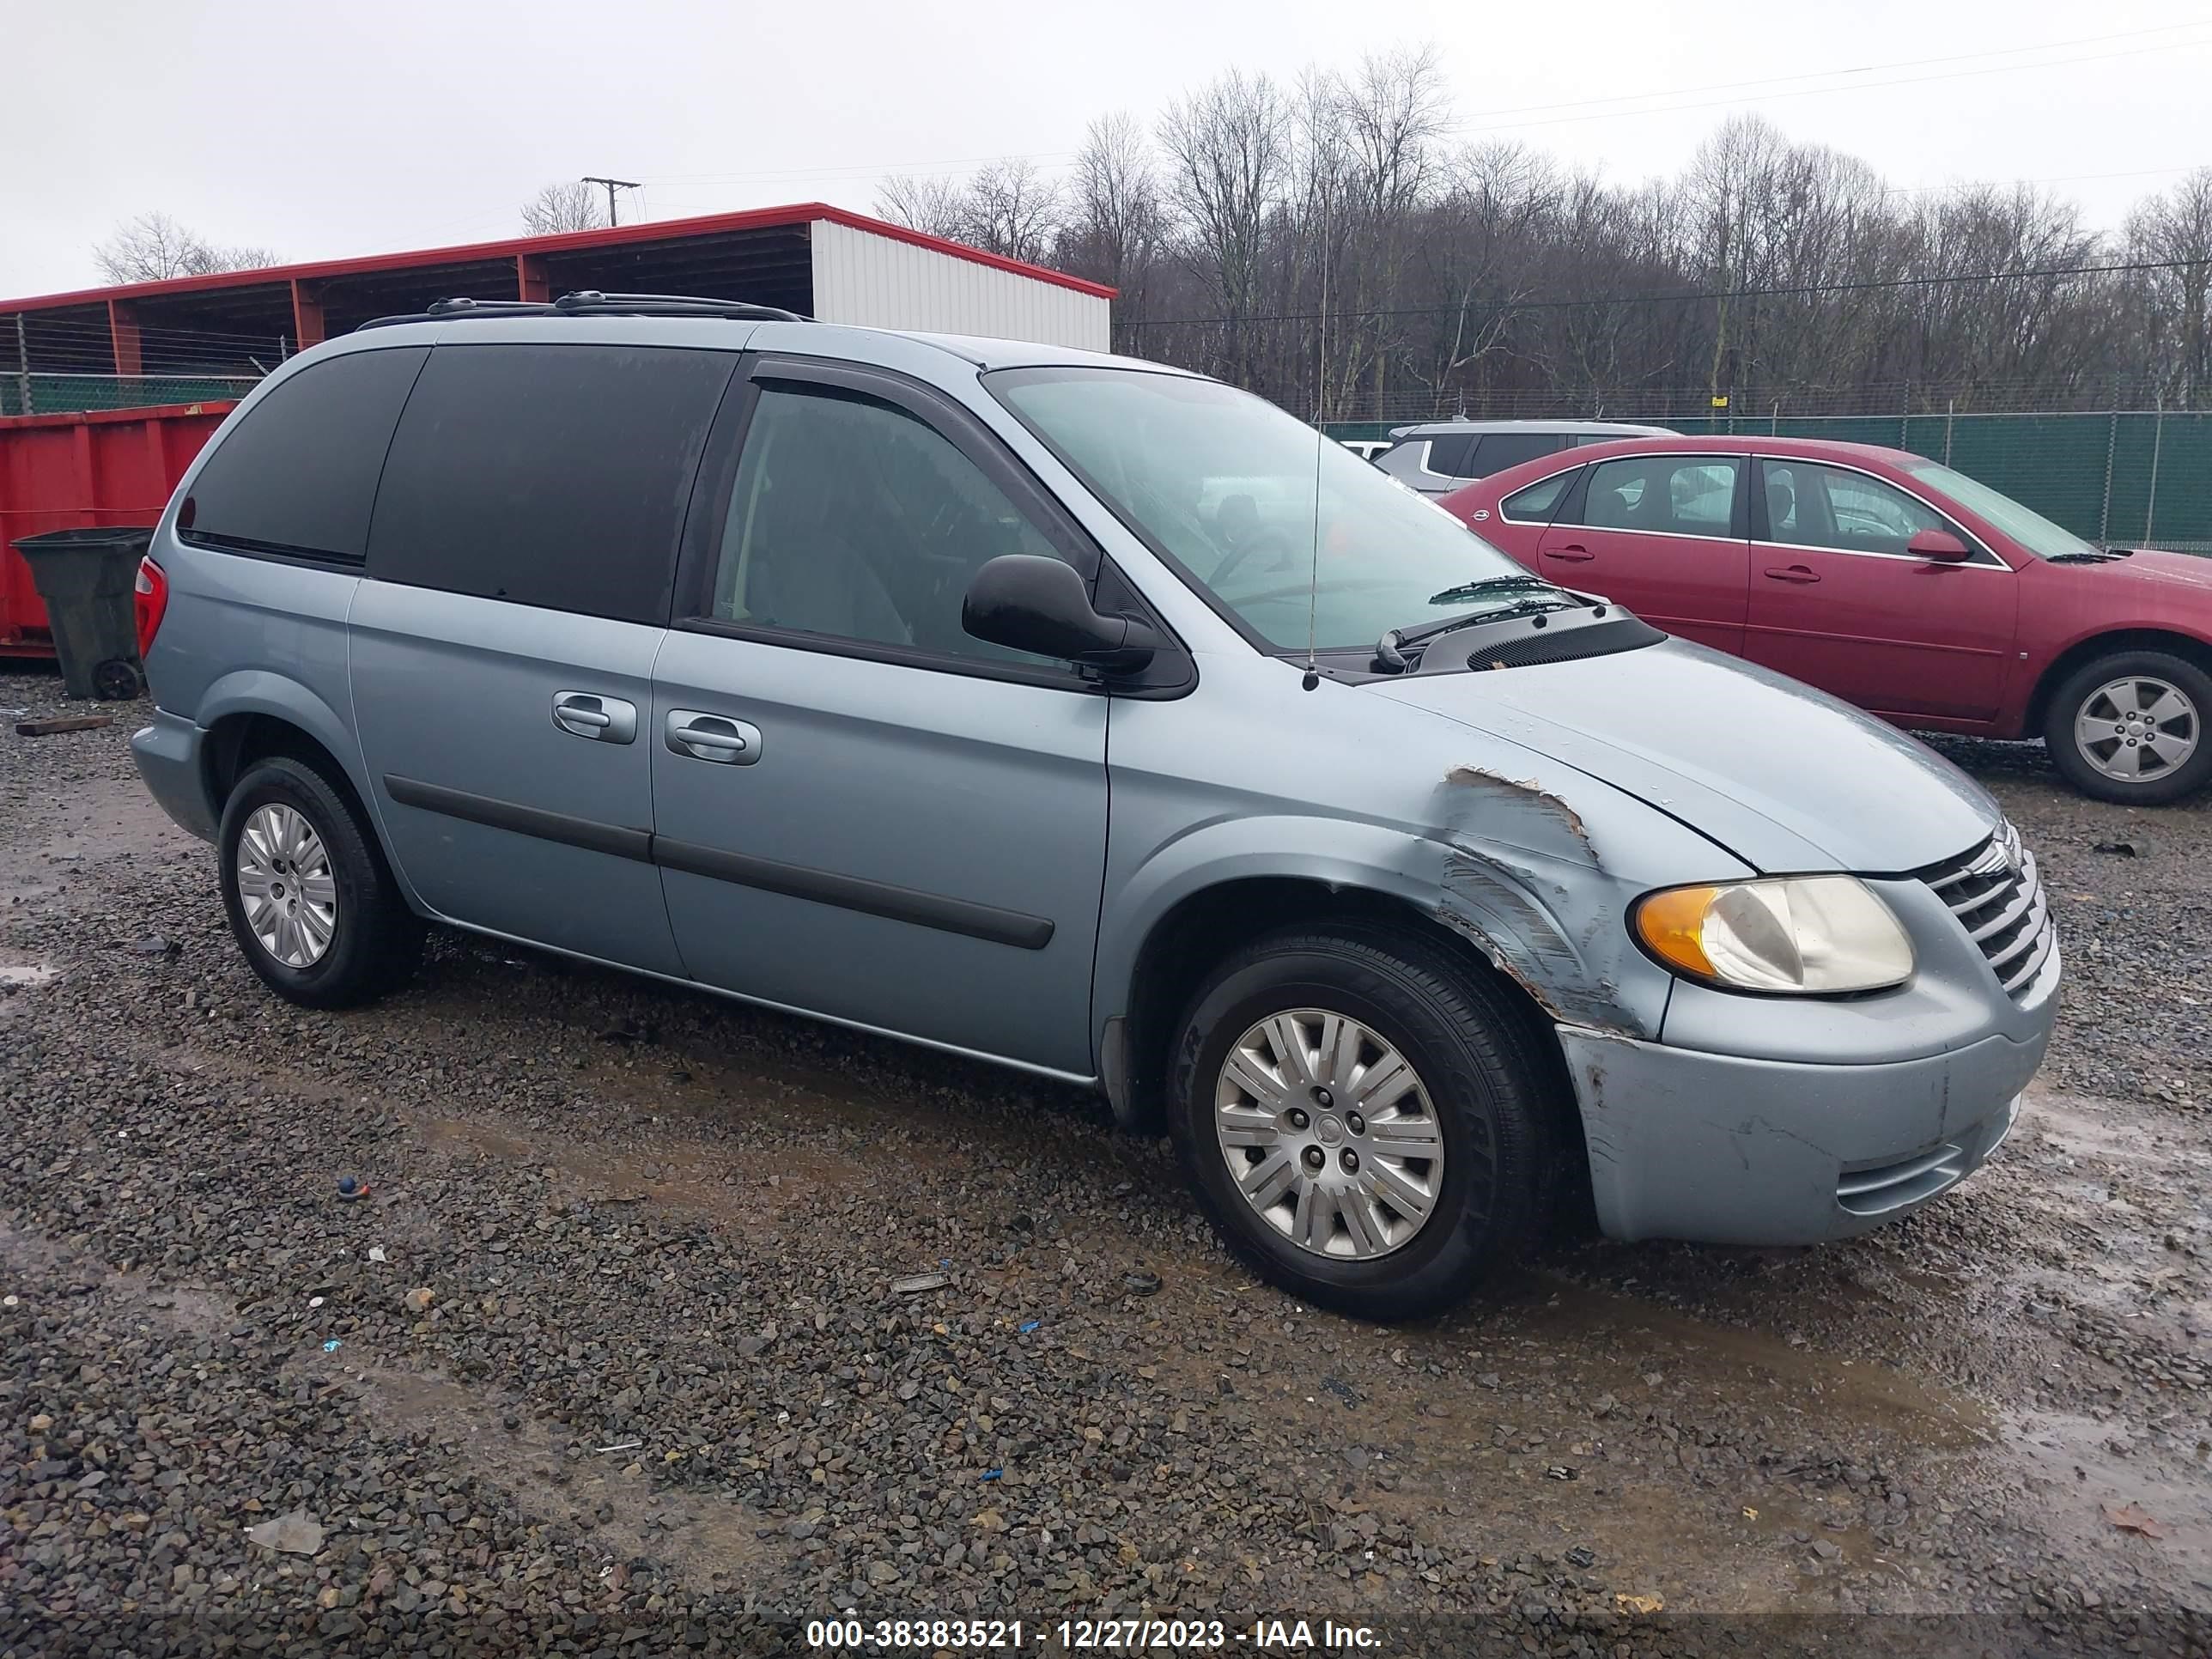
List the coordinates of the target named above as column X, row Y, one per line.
column 712, row 738
column 1572, row 553
column 587, row 714
column 1795, row 573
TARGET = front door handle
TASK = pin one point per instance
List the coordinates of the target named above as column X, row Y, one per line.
column 1795, row 573
column 714, row 737
column 587, row 714
column 1572, row 553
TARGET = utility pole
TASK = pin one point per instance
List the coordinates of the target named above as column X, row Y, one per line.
column 612, row 184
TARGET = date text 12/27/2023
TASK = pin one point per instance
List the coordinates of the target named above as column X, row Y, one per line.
column 854, row 1634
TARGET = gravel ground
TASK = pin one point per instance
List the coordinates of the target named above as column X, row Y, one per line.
column 614, row 1355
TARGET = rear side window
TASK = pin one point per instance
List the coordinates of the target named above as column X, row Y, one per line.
column 1499, row 450
column 547, row 475
column 1535, row 504
column 1668, row 495
column 297, row 475
column 1447, row 454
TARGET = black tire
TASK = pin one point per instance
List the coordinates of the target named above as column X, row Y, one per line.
column 1489, row 1086
column 2084, row 683
column 376, row 940
column 117, row 680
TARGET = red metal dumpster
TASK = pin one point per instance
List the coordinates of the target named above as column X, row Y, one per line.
column 67, row 472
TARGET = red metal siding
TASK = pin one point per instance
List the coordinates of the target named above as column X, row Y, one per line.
column 65, row 471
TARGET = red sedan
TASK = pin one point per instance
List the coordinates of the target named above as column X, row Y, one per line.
column 1891, row 582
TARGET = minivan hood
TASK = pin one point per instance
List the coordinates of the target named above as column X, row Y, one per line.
column 1783, row 776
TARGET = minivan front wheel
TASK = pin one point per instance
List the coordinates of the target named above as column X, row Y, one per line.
column 307, row 893
column 1363, row 1118
column 2130, row 727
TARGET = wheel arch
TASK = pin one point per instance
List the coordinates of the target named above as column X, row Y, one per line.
column 2187, row 646
column 1209, row 919
column 253, row 715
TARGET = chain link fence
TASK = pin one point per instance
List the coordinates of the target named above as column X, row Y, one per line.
column 69, row 394
column 2117, row 477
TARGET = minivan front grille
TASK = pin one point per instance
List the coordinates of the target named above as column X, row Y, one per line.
column 1997, row 897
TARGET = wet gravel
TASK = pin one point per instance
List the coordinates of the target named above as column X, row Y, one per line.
column 664, row 1324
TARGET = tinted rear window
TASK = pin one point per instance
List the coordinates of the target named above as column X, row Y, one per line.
column 547, row 475
column 1447, row 454
column 1499, row 450
column 298, row 474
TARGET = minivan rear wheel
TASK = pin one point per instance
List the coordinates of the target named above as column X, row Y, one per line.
column 1364, row 1119
column 309, row 898
column 2130, row 727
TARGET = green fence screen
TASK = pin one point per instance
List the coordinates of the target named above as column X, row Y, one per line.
column 67, row 394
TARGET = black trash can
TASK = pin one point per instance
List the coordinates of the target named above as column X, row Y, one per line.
column 85, row 578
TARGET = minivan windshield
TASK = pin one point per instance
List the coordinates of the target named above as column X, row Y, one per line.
column 2024, row 524
column 1224, row 485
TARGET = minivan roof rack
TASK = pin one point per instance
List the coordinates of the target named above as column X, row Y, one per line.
column 591, row 302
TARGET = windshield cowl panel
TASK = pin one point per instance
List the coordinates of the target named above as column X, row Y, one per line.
column 1282, row 529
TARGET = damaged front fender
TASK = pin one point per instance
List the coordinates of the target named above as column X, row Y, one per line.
column 1524, row 876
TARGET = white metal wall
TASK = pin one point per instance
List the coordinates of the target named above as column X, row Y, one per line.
column 878, row 281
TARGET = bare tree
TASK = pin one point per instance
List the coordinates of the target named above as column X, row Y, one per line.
column 1228, row 148
column 571, row 206
column 1012, row 210
column 154, row 248
column 1393, row 115
column 932, row 206
column 2174, row 230
column 1323, row 245
column 1115, row 225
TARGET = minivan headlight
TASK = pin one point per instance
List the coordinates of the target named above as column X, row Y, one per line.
column 1809, row 934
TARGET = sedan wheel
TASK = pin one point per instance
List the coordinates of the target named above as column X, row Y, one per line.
column 2137, row 728
column 2130, row 727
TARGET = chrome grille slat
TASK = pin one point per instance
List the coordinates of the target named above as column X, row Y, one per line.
column 2026, row 972
column 2026, row 895
column 1996, row 893
column 2021, row 941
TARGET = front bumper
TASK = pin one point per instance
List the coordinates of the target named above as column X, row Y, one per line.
column 168, row 756
column 1725, row 1150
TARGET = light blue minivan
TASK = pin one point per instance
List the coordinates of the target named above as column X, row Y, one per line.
column 1096, row 719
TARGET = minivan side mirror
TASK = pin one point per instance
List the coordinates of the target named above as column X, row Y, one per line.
column 1030, row 603
column 1937, row 544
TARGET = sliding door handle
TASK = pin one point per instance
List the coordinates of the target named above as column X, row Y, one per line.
column 714, row 738
column 587, row 714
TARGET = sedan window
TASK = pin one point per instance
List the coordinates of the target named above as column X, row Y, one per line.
column 1808, row 505
column 1535, row 504
column 1668, row 495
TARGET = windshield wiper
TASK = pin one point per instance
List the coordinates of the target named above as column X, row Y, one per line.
column 2093, row 555
column 1392, row 647
column 1488, row 585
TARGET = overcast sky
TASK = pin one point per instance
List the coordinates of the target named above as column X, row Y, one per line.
column 327, row 131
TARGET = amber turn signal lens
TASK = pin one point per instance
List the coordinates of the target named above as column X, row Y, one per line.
column 1672, row 924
